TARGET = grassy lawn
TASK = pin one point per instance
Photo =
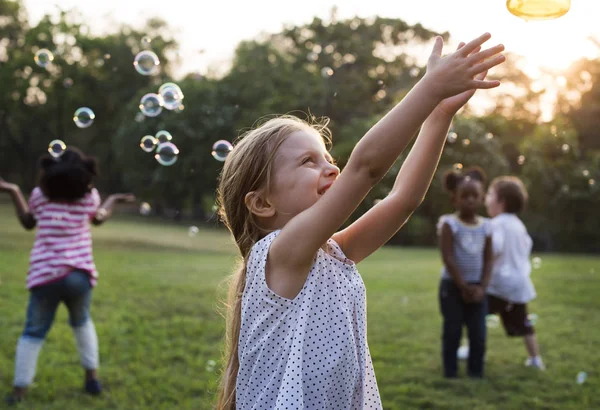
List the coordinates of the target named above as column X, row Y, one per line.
column 155, row 310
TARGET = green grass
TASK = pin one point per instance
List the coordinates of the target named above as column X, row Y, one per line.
column 155, row 310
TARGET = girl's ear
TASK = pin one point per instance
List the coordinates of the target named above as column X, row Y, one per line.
column 258, row 205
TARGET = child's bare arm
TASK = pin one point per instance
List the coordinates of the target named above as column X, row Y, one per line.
column 105, row 210
column 23, row 213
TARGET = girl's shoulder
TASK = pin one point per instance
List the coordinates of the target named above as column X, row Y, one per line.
column 449, row 219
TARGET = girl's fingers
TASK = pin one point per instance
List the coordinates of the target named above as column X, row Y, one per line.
column 484, row 85
column 473, row 44
column 482, row 55
column 486, row 65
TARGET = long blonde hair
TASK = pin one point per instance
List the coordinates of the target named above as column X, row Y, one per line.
column 248, row 168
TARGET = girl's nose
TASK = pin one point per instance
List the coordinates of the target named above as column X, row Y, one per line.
column 332, row 170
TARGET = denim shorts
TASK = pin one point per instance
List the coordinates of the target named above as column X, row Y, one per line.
column 74, row 290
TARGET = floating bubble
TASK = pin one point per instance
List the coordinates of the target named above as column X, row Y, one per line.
column 166, row 154
column 462, row 353
column 43, row 57
column 107, row 56
column 67, row 82
column 581, row 377
column 145, row 208
column 565, row 148
column 565, row 189
column 215, row 208
column 380, row 83
column 163, row 136
column 414, row 72
column 151, row 105
column 591, row 182
column 492, row 321
column 466, row 142
column 586, row 173
column 521, row 159
column 532, row 318
column 193, row 231
column 538, row 9
column 56, row 148
column 210, row 365
column 171, row 95
column 452, row 137
column 139, row 117
column 489, row 136
column 376, row 201
column 457, row 167
column 221, row 149
column 326, row 72
column 536, row 262
column 312, row 56
column 148, row 143
column 84, row 117
column 146, row 41
column 146, row 62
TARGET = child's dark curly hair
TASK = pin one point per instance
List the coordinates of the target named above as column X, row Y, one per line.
column 453, row 179
column 69, row 177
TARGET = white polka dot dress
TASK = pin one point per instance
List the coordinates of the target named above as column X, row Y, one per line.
column 310, row 352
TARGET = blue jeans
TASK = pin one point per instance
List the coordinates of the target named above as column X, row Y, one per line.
column 457, row 313
column 76, row 293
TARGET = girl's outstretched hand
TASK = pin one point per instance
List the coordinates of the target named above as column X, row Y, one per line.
column 463, row 70
column 124, row 197
column 6, row 186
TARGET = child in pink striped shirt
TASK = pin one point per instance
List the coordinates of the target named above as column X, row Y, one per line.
column 61, row 266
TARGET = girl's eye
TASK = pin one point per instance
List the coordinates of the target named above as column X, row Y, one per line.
column 306, row 160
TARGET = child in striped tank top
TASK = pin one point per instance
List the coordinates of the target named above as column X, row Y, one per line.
column 61, row 267
column 465, row 242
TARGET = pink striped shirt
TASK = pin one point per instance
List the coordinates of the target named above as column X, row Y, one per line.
column 63, row 241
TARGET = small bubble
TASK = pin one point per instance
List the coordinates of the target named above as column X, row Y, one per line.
column 536, row 262
column 564, row 189
column 145, row 209
column 148, row 143
column 163, row 136
column 43, row 57
column 107, row 56
column 457, row 167
column 489, row 136
column 139, row 117
column 67, row 82
column 146, row 62
column 326, row 72
column 491, row 321
column 312, row 56
column 376, row 201
column 146, row 41
column 532, row 318
column 452, row 137
column 553, row 130
column 151, row 105
column 565, row 148
column 56, row 148
column 84, row 117
column 192, row 231
column 221, row 149
column 414, row 72
column 166, row 154
column 581, row 377
column 466, row 142
column 591, row 182
column 586, row 173
column 521, row 159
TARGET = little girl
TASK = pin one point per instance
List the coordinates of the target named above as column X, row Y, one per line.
column 465, row 244
column 297, row 325
column 61, row 266
column 511, row 288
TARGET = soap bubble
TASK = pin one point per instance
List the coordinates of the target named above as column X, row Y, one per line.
column 532, row 318
column 457, row 167
column 166, row 154
column 221, row 149
column 67, row 82
column 146, row 41
column 145, row 208
column 489, row 136
column 492, row 321
column 171, row 95
column 451, row 138
column 466, row 142
column 591, row 182
column 565, row 148
column 586, row 173
column 521, row 159
column 163, row 136
column 581, row 377
column 148, row 143
column 56, row 148
column 312, row 56
column 192, row 231
column 84, row 117
column 43, row 57
column 536, row 262
column 151, row 105
column 146, row 62
column 326, row 72
column 462, row 353
column 413, row 72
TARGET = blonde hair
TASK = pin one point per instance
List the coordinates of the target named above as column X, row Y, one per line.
column 249, row 167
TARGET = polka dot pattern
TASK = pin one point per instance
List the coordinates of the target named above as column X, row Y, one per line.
column 310, row 352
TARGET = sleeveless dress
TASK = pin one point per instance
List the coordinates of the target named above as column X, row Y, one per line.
column 309, row 352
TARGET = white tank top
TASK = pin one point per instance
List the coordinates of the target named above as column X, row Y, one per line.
column 309, row 352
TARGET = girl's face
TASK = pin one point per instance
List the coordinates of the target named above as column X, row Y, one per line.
column 493, row 205
column 469, row 197
column 303, row 172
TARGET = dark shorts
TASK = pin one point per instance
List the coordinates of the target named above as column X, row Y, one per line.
column 514, row 316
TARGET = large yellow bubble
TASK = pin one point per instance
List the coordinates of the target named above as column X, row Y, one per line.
column 538, row 9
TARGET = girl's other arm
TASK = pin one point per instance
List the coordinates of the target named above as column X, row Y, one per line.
column 447, row 248
column 26, row 218
column 105, row 210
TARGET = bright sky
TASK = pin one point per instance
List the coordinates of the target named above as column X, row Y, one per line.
column 217, row 26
